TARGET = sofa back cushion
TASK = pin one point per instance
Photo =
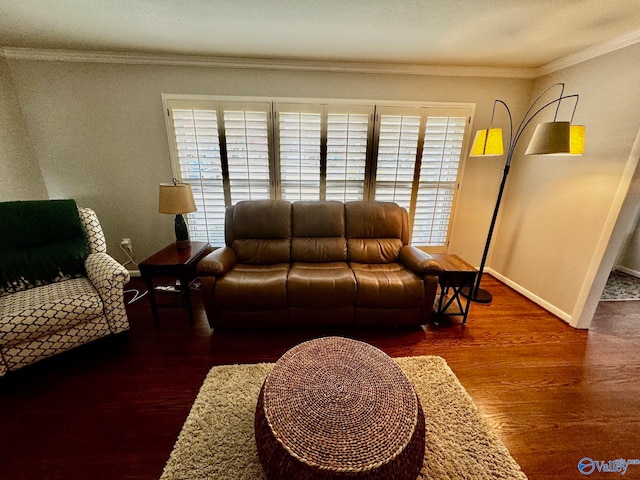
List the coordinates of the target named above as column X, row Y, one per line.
column 318, row 232
column 259, row 231
column 376, row 231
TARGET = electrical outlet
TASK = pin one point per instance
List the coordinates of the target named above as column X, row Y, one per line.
column 126, row 243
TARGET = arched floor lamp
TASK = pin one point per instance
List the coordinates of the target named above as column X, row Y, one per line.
column 551, row 138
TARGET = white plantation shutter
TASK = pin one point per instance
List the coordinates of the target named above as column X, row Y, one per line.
column 231, row 151
column 247, row 146
column 222, row 150
column 423, row 144
column 398, row 136
column 312, row 139
column 299, row 136
column 443, row 141
column 198, row 155
column 347, row 147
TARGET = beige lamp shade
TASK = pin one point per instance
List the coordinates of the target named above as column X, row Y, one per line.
column 176, row 198
column 577, row 134
column 550, row 138
column 488, row 142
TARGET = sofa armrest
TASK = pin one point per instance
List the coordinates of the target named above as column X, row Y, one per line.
column 109, row 278
column 418, row 261
column 218, row 262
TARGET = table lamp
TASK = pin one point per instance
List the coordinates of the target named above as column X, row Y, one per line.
column 177, row 198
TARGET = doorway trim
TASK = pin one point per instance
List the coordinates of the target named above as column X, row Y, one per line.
column 617, row 228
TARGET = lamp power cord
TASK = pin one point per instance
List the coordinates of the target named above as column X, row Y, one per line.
column 128, row 251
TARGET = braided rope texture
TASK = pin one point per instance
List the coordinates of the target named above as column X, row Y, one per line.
column 336, row 408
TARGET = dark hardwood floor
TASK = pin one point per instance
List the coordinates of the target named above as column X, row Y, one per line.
column 113, row 409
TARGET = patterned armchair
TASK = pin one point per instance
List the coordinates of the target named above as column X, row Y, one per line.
column 41, row 320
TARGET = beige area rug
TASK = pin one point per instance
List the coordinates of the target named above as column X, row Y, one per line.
column 217, row 439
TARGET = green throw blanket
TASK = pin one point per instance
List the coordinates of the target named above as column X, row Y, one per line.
column 39, row 240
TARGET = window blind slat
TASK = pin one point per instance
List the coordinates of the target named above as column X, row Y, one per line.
column 347, row 136
column 437, row 181
column 198, row 148
column 299, row 142
column 247, row 138
column 398, row 144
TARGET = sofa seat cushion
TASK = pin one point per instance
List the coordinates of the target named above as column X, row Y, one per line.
column 32, row 313
column 321, row 285
column 22, row 354
column 387, row 285
column 253, row 287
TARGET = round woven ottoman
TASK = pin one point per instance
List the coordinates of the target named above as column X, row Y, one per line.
column 335, row 408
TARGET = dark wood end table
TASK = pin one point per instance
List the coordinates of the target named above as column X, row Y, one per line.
column 175, row 263
column 457, row 275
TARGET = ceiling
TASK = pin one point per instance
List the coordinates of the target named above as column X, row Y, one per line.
column 484, row 33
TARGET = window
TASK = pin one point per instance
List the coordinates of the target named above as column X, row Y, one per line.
column 438, row 178
column 197, row 152
column 322, row 151
column 398, row 135
column 246, row 136
column 299, row 129
column 223, row 150
column 348, row 132
column 417, row 167
column 231, row 151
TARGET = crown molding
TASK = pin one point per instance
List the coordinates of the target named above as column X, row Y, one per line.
column 129, row 58
column 261, row 63
column 590, row 53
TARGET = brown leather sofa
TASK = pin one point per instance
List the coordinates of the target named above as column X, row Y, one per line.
column 317, row 264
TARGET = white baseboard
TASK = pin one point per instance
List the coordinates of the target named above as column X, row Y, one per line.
column 134, row 273
column 628, row 271
column 531, row 296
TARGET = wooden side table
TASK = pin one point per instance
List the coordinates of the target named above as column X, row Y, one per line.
column 175, row 263
column 457, row 275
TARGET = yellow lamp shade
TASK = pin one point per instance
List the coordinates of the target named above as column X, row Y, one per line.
column 551, row 138
column 577, row 134
column 176, row 198
column 488, row 142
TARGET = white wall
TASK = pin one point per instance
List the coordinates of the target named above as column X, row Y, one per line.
column 629, row 258
column 559, row 211
column 99, row 134
column 20, row 177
